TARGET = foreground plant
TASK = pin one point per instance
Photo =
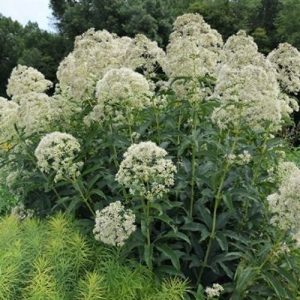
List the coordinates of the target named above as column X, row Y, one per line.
column 52, row 260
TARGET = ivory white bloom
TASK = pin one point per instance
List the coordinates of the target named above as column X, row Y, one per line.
column 194, row 48
column 248, row 96
column 24, row 80
column 119, row 94
column 95, row 53
column 146, row 171
column 56, row 153
column 214, row 291
column 241, row 159
column 285, row 203
column 8, row 119
column 144, row 55
column 114, row 224
column 36, row 113
column 286, row 60
column 240, row 50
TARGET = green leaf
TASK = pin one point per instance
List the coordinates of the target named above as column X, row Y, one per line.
column 171, row 254
column 222, row 241
column 148, row 254
column 276, row 285
column 176, row 235
column 98, row 192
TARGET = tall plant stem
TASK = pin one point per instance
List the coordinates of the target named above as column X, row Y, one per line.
column 146, row 208
column 262, row 151
column 83, row 197
column 218, row 198
column 193, row 166
column 157, row 126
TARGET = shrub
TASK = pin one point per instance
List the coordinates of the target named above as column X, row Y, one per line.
column 187, row 140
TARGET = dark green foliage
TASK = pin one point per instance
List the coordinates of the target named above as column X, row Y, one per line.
column 29, row 46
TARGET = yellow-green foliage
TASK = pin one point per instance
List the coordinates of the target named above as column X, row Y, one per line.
column 52, row 260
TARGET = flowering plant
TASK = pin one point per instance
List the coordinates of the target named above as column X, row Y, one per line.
column 173, row 154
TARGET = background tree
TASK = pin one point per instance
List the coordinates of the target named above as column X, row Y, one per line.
column 287, row 22
column 29, row 46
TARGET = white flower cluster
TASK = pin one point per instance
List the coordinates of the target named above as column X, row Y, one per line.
column 285, row 168
column 286, row 60
column 285, row 203
column 240, row 50
column 97, row 52
column 8, row 120
column 36, row 113
column 247, row 88
column 241, row 159
column 146, row 171
column 194, row 48
column 114, row 224
column 193, row 52
column 214, row 291
column 248, row 95
column 288, row 105
column 24, row 80
column 119, row 94
column 145, row 55
column 57, row 152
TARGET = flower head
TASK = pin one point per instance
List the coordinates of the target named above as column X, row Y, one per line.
column 36, row 113
column 214, row 291
column 114, row 224
column 8, row 119
column 119, row 94
column 286, row 60
column 95, row 53
column 285, row 203
column 146, row 171
column 57, row 152
column 248, row 95
column 24, row 80
column 194, row 48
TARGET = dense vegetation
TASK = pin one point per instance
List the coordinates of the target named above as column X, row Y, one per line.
column 155, row 159
column 173, row 159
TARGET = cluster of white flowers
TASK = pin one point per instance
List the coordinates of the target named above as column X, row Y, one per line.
column 8, row 120
column 194, row 48
column 193, row 52
column 285, row 203
column 145, row 55
column 146, row 171
column 57, row 152
column 120, row 93
column 286, row 60
column 248, row 95
column 36, row 113
column 24, row 80
column 241, row 159
column 288, row 105
column 247, row 86
column 240, row 50
column 284, row 169
column 114, row 224
column 97, row 52
column 214, row 291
